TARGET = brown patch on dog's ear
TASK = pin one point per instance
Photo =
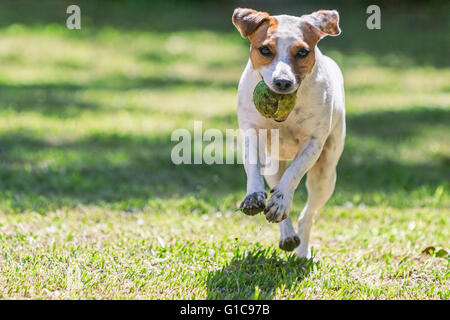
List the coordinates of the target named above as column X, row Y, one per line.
column 248, row 20
column 323, row 23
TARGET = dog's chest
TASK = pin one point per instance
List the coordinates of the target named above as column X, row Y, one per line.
column 291, row 138
column 303, row 123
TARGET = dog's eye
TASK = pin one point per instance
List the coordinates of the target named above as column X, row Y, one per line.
column 302, row 53
column 265, row 51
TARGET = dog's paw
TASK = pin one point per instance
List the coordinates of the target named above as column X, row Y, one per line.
column 289, row 243
column 278, row 206
column 254, row 203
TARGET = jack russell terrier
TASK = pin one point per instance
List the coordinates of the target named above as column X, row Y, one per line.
column 284, row 53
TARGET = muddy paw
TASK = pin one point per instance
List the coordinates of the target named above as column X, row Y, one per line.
column 254, row 203
column 277, row 208
column 289, row 243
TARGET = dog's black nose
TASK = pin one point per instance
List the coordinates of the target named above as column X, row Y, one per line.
column 283, row 84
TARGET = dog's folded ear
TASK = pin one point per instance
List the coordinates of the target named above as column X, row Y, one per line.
column 248, row 20
column 323, row 23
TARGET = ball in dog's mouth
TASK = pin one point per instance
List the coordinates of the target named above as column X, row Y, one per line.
column 271, row 104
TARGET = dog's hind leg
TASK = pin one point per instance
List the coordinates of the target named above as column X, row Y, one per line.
column 289, row 240
column 320, row 184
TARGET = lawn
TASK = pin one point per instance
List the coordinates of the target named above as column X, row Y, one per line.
column 91, row 206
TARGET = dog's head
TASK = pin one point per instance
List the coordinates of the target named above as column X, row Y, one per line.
column 282, row 47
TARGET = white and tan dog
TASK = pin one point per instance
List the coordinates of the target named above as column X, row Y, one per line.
column 284, row 53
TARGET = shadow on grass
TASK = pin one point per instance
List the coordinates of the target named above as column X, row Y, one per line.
column 117, row 169
column 370, row 163
column 397, row 125
column 65, row 100
column 257, row 274
column 60, row 101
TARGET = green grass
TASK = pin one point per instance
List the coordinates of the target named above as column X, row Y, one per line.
column 92, row 207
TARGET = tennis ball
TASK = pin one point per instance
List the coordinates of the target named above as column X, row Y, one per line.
column 271, row 104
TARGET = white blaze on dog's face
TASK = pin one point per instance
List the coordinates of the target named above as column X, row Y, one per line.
column 282, row 47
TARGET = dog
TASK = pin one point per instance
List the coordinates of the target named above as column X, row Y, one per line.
column 284, row 53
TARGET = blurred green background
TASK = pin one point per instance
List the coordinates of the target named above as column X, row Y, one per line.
column 85, row 123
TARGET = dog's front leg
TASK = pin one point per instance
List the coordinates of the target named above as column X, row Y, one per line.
column 255, row 200
column 279, row 204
